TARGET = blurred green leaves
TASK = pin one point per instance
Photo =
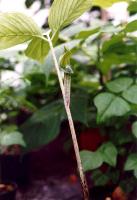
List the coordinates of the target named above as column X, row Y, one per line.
column 134, row 129
column 44, row 125
column 131, row 26
column 109, row 105
column 107, row 3
column 91, row 160
column 131, row 163
column 132, row 8
column 119, row 85
column 131, row 94
column 107, row 153
column 11, row 136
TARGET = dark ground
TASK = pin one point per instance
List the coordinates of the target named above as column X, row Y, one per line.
column 53, row 173
column 52, row 189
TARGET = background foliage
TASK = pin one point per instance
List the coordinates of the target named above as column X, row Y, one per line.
column 104, row 88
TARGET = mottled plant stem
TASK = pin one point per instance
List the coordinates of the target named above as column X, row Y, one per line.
column 71, row 124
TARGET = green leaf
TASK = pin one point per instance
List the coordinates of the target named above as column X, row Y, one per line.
column 108, row 106
column 99, row 178
column 132, row 8
column 64, row 12
column 79, row 107
column 131, row 94
column 135, row 173
column 114, row 60
column 87, row 32
column 121, row 138
column 43, row 126
column 134, row 129
column 114, row 42
column 119, row 85
column 114, row 176
column 38, row 49
column 131, row 163
column 16, row 28
column 91, row 160
column 10, row 128
column 107, row 3
column 109, row 153
column 12, row 138
column 131, row 27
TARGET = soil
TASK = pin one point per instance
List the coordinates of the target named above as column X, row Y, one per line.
column 52, row 189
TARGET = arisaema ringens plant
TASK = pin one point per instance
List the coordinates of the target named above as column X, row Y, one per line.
column 17, row 28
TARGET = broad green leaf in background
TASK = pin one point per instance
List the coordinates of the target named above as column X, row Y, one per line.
column 99, row 178
column 9, row 129
column 113, row 60
column 109, row 105
column 97, row 28
column 131, row 94
column 116, row 51
column 132, row 8
column 79, row 107
column 64, row 12
column 43, row 126
column 114, row 42
column 109, row 153
column 121, row 137
column 16, row 28
column 107, row 3
column 119, row 85
column 119, row 47
column 12, row 138
column 84, row 34
column 91, row 160
column 37, row 49
column 106, row 153
column 131, row 163
column 134, row 129
column 131, row 27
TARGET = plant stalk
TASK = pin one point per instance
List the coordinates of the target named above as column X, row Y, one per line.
column 71, row 125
